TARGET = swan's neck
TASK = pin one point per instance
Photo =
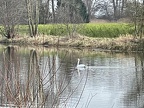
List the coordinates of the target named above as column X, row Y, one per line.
column 78, row 63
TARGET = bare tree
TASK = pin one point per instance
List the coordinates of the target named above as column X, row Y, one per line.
column 93, row 6
column 10, row 14
column 53, row 11
column 47, row 10
column 118, row 8
column 33, row 16
column 72, row 11
column 45, row 14
column 124, row 2
column 110, row 9
column 135, row 11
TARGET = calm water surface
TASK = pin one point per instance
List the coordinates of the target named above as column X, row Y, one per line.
column 35, row 77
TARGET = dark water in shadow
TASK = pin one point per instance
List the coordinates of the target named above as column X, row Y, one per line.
column 46, row 77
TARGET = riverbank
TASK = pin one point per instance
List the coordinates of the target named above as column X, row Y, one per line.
column 122, row 43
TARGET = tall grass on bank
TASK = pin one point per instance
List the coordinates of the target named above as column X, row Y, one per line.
column 108, row 30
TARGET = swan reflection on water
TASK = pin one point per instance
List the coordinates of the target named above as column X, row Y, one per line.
column 83, row 66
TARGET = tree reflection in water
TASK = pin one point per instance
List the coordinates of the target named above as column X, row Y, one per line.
column 38, row 86
column 135, row 96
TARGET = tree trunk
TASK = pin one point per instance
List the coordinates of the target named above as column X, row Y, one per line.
column 36, row 18
column 89, row 6
column 142, row 20
column 33, row 17
column 115, row 9
column 28, row 5
column 53, row 11
column 122, row 8
column 47, row 12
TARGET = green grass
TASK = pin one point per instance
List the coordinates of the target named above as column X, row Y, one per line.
column 108, row 30
column 47, row 29
column 52, row 29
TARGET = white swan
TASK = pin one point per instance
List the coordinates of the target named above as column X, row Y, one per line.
column 80, row 65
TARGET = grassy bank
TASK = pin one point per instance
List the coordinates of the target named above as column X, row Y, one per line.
column 110, row 36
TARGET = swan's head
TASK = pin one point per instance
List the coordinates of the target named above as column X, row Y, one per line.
column 78, row 59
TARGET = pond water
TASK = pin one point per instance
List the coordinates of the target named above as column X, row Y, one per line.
column 47, row 77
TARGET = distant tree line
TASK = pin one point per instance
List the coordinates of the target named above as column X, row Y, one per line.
column 34, row 12
column 61, row 11
column 106, row 9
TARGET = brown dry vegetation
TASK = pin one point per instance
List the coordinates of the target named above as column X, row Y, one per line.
column 122, row 43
